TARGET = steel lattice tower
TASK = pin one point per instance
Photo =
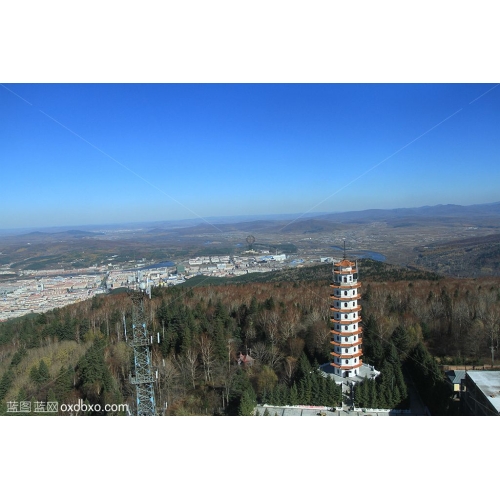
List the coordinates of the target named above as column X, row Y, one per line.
column 141, row 341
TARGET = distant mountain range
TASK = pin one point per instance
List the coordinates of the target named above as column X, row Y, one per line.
column 425, row 212
column 71, row 233
column 307, row 223
column 483, row 214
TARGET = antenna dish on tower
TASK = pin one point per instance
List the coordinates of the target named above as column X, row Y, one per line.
column 250, row 240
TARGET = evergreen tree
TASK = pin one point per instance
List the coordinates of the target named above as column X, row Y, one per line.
column 63, row 384
column 294, row 395
column 247, row 403
column 241, row 384
column 401, row 340
column 22, row 395
column 360, row 394
column 284, row 394
column 51, row 396
column 381, row 397
column 5, row 383
column 304, row 368
column 315, row 393
column 305, row 389
column 400, row 383
column 18, row 356
column 333, row 393
column 34, row 375
column 396, row 397
column 43, row 372
column 95, row 377
column 323, row 394
column 254, row 306
column 372, row 394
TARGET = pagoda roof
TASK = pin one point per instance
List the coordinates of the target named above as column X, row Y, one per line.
column 345, row 263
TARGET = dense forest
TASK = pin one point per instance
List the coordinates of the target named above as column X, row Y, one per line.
column 413, row 323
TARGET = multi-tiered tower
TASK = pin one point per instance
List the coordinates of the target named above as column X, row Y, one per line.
column 345, row 309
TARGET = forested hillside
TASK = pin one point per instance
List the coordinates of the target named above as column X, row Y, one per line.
column 79, row 352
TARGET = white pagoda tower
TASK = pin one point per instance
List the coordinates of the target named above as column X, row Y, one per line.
column 345, row 316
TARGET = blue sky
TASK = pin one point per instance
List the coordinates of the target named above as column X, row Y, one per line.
column 76, row 154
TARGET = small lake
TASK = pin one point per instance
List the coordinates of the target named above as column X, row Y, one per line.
column 363, row 254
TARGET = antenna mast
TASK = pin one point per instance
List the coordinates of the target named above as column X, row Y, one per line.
column 141, row 341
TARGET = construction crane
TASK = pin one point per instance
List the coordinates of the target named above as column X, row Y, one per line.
column 141, row 342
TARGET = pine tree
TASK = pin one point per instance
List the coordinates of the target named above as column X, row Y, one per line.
column 22, row 395
column 372, row 394
column 34, row 375
column 51, row 395
column 381, row 397
column 306, row 385
column 43, row 372
column 63, row 384
column 5, row 383
column 18, row 356
column 247, row 404
column 323, row 394
column 396, row 397
column 400, row 383
column 360, row 394
column 294, row 395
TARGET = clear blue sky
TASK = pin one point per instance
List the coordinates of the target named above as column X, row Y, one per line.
column 108, row 153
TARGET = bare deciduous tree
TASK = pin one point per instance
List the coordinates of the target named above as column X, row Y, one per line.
column 207, row 355
column 290, row 366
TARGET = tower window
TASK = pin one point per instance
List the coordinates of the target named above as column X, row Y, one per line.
column 345, row 316
column 345, row 304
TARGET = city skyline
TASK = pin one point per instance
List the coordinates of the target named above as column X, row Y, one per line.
column 90, row 154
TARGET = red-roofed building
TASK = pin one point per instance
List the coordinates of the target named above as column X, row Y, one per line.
column 245, row 359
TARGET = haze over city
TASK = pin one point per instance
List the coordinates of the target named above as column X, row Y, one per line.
column 78, row 154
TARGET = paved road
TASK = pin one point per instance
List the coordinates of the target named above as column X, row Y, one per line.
column 289, row 411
